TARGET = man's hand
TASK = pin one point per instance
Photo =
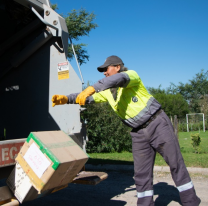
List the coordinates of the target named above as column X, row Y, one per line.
column 59, row 99
column 81, row 98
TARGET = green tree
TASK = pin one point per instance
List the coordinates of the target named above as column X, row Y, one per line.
column 193, row 91
column 158, row 90
column 173, row 104
column 79, row 23
column 54, row 7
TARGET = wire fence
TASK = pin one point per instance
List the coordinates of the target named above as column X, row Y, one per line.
column 195, row 123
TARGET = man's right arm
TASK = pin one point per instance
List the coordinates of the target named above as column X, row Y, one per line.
column 95, row 98
column 72, row 98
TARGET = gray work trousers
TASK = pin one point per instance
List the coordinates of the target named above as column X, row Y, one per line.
column 159, row 136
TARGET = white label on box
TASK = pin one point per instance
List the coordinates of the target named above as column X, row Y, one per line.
column 36, row 159
column 19, row 183
column 22, row 183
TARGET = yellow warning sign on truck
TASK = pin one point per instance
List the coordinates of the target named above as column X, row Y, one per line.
column 63, row 70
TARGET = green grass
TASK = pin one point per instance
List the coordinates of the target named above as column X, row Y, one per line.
column 191, row 159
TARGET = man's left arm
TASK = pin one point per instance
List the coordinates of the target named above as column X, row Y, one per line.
column 116, row 80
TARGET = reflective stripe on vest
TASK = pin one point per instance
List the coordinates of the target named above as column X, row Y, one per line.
column 185, row 187
column 145, row 194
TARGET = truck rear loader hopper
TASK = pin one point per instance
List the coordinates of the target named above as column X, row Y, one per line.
column 33, row 67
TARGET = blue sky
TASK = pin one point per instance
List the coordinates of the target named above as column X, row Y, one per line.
column 163, row 40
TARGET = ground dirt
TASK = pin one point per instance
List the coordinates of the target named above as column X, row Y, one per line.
column 119, row 190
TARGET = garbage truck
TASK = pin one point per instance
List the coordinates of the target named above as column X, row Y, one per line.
column 33, row 67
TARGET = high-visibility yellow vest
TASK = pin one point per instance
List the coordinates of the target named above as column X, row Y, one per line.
column 134, row 105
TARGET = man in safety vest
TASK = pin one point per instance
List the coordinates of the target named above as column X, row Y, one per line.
column 152, row 130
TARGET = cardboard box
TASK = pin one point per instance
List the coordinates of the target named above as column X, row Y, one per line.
column 47, row 160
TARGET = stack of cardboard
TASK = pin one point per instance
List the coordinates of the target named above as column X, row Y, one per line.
column 46, row 161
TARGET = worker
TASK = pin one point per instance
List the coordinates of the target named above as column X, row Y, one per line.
column 151, row 132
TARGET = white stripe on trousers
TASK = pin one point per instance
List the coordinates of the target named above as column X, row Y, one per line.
column 145, row 194
column 185, row 187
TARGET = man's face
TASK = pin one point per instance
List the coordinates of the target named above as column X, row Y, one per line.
column 111, row 70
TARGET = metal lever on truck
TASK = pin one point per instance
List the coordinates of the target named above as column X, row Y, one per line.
column 43, row 20
column 50, row 25
column 76, row 60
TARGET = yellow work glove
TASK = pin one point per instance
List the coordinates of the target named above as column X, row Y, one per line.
column 59, row 99
column 81, row 98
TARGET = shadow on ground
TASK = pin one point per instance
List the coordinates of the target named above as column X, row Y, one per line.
column 95, row 161
column 166, row 194
column 117, row 190
column 89, row 195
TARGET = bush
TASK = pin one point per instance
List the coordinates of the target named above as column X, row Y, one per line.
column 105, row 130
column 195, row 141
column 182, row 127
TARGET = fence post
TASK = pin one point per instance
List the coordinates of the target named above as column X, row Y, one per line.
column 171, row 119
column 175, row 125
